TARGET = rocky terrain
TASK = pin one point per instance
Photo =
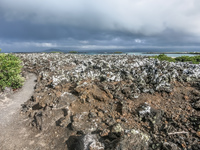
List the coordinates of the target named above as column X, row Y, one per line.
column 114, row 102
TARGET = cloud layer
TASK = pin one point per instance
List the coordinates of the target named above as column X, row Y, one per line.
column 120, row 22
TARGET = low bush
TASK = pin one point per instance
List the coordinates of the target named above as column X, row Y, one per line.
column 10, row 71
column 193, row 59
column 164, row 57
column 117, row 52
column 73, row 52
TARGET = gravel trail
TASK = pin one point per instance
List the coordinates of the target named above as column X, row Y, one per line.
column 14, row 132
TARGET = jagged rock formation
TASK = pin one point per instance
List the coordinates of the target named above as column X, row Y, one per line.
column 115, row 101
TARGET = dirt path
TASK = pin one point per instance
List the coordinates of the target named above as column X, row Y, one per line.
column 14, row 131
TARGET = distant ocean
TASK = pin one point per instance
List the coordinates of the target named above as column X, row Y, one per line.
column 144, row 52
column 170, row 55
column 135, row 51
column 139, row 53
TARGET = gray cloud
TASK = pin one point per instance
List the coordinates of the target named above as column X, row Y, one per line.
column 90, row 23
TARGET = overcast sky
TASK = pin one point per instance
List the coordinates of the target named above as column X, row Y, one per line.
column 98, row 24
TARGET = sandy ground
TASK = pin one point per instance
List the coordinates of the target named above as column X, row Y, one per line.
column 14, row 130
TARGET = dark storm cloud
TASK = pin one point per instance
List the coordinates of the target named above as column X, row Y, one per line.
column 89, row 23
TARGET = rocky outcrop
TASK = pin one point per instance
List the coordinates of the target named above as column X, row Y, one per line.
column 147, row 74
column 115, row 101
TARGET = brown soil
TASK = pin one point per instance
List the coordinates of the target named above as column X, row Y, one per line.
column 90, row 106
column 91, row 109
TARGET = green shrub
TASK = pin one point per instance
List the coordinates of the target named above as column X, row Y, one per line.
column 117, row 52
column 193, row 59
column 10, row 70
column 164, row 57
column 73, row 52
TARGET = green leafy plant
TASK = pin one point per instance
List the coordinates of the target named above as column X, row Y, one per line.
column 10, row 70
column 73, row 52
column 117, row 52
column 193, row 59
column 164, row 57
